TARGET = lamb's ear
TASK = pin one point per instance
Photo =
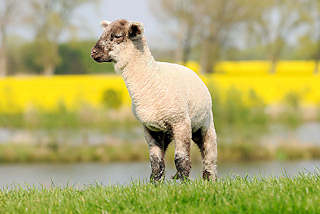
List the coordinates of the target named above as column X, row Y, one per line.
column 135, row 30
column 104, row 23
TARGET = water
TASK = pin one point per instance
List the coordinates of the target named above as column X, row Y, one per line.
column 83, row 174
column 307, row 133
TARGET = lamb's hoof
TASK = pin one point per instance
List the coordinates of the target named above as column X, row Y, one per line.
column 156, row 179
column 208, row 176
column 180, row 177
column 175, row 177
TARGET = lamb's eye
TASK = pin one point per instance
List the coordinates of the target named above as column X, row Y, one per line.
column 117, row 36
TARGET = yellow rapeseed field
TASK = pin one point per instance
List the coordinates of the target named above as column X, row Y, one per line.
column 19, row 94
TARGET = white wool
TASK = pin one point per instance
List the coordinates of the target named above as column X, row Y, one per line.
column 163, row 93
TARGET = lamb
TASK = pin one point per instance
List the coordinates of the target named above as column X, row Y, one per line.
column 170, row 100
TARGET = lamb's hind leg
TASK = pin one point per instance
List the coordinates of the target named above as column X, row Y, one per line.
column 206, row 139
column 182, row 139
column 155, row 142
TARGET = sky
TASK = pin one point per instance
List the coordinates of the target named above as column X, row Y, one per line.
column 132, row 10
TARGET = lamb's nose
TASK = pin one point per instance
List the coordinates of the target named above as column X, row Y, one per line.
column 93, row 51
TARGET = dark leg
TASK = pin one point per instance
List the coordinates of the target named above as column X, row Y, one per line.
column 157, row 142
column 182, row 138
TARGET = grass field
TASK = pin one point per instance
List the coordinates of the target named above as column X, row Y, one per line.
column 232, row 195
column 20, row 94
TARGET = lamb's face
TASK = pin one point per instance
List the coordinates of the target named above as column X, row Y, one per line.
column 115, row 40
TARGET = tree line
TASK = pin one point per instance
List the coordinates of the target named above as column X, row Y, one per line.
column 47, row 20
column 227, row 29
column 207, row 31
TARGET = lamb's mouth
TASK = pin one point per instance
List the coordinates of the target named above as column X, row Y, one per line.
column 100, row 59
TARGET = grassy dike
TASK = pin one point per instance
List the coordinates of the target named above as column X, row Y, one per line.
column 299, row 194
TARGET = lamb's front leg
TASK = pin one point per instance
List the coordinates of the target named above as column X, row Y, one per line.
column 156, row 153
column 182, row 139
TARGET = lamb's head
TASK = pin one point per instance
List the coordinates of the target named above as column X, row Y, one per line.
column 117, row 40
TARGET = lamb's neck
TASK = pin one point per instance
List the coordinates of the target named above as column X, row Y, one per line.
column 141, row 76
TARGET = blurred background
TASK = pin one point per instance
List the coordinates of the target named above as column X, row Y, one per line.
column 65, row 119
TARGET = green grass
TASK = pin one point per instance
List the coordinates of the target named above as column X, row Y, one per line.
column 232, row 195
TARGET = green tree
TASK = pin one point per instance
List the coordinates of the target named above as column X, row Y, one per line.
column 278, row 20
column 49, row 19
column 29, row 52
column 72, row 62
column 75, row 59
column 206, row 23
column 181, row 11
column 74, row 55
column 310, row 42
column 8, row 10
column 217, row 20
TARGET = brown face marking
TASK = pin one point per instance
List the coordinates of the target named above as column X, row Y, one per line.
column 114, row 34
column 118, row 31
